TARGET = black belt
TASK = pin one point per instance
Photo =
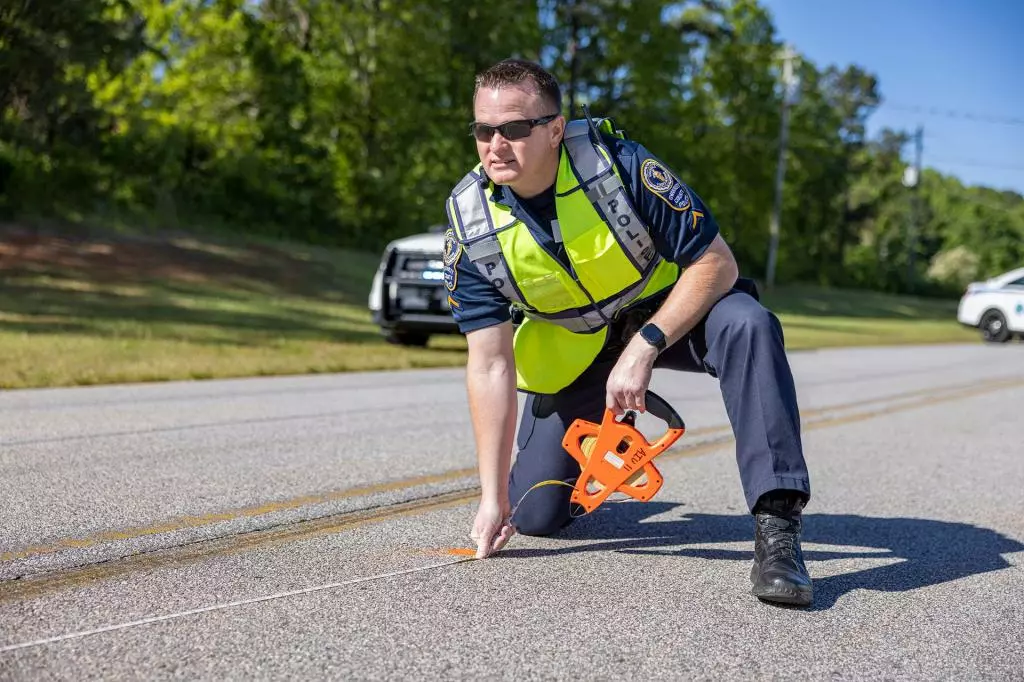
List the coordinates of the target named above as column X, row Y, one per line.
column 629, row 320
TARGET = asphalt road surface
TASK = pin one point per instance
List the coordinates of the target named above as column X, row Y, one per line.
column 303, row 528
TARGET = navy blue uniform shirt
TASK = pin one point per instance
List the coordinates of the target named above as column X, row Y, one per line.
column 680, row 224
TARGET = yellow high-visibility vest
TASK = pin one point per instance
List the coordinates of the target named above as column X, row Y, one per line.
column 610, row 250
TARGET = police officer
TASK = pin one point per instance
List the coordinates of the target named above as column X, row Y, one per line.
column 615, row 267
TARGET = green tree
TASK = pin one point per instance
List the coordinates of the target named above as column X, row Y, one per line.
column 50, row 127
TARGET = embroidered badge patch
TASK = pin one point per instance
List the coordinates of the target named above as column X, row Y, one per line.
column 452, row 247
column 663, row 184
column 451, row 277
column 452, row 251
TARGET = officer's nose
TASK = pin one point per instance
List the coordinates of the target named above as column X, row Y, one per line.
column 498, row 142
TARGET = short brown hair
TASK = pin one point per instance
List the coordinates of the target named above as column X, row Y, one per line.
column 518, row 71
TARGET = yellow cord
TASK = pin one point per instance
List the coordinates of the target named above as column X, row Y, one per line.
column 587, row 447
column 539, row 485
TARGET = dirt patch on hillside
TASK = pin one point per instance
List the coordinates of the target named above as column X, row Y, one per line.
column 178, row 259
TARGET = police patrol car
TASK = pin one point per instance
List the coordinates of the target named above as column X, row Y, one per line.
column 408, row 299
column 995, row 306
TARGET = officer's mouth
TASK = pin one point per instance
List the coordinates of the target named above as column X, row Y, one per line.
column 499, row 163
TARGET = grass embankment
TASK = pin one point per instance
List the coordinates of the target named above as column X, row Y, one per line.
column 91, row 311
column 814, row 317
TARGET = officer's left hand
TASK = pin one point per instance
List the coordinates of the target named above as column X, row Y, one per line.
column 629, row 379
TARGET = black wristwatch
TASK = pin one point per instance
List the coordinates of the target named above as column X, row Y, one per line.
column 654, row 336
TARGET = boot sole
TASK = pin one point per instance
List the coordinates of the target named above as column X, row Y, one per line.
column 784, row 595
column 777, row 593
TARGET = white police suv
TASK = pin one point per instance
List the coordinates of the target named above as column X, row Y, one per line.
column 408, row 299
column 995, row 306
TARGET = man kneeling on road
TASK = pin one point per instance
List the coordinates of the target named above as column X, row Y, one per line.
column 616, row 267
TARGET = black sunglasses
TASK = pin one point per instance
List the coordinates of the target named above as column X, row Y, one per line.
column 512, row 130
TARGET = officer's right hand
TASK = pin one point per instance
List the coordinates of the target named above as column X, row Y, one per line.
column 492, row 527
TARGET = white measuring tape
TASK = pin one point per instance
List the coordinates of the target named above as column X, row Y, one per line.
column 228, row 605
column 243, row 602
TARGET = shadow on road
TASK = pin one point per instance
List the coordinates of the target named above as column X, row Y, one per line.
column 931, row 552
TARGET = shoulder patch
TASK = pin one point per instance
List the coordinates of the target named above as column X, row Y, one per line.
column 451, row 277
column 452, row 252
column 657, row 178
column 452, row 247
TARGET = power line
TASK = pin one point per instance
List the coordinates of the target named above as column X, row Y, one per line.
column 950, row 113
column 804, row 142
column 978, row 163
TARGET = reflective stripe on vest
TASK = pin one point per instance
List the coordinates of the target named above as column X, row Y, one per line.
column 605, row 191
column 472, row 221
column 489, row 259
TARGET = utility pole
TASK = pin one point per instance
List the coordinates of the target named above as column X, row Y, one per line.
column 913, row 181
column 788, row 55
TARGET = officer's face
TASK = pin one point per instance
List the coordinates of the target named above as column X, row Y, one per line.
column 527, row 164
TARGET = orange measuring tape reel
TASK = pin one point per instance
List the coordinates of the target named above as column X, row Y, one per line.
column 615, row 457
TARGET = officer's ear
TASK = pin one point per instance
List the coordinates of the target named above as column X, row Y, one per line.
column 557, row 131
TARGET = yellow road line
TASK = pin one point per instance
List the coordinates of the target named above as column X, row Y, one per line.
column 230, row 515
column 15, row 590
column 26, row 588
column 963, row 391
column 186, row 522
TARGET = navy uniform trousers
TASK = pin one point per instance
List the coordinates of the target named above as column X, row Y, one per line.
column 741, row 344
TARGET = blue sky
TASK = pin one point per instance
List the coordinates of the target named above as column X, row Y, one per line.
column 951, row 60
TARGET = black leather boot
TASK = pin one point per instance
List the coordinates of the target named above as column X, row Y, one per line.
column 779, row 573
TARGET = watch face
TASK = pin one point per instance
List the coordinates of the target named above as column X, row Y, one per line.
column 653, row 335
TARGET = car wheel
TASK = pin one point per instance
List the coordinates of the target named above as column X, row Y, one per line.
column 993, row 327
column 404, row 338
